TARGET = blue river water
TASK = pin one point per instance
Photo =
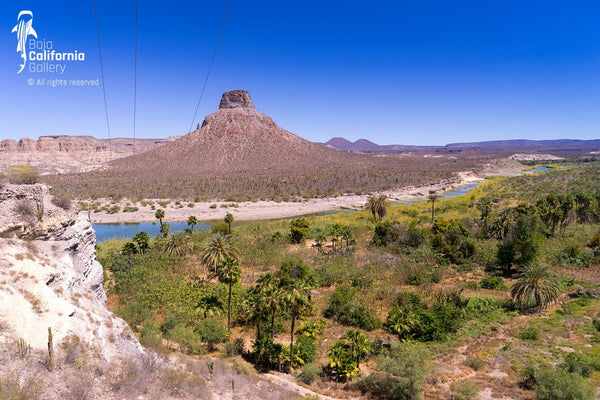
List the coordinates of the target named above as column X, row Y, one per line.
column 125, row 230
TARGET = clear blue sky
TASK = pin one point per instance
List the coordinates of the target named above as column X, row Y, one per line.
column 410, row 72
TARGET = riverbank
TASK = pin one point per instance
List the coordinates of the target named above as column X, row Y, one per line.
column 259, row 210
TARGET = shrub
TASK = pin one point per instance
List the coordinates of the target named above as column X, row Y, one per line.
column 401, row 375
column 212, row 332
column 24, row 208
column 561, row 385
column 234, row 348
column 475, row 363
column 310, row 372
column 493, row 282
column 23, row 175
column 529, row 333
column 360, row 316
column 481, row 304
column 189, row 341
column 220, row 227
column 150, row 336
column 134, row 313
column 299, row 229
column 62, row 202
column 464, row 391
column 580, row 364
column 573, row 257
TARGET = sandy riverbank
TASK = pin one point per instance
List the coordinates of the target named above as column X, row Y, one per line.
column 270, row 209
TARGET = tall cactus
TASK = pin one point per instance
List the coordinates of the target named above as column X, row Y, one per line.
column 50, row 350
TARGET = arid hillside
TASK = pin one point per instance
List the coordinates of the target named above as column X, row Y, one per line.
column 240, row 153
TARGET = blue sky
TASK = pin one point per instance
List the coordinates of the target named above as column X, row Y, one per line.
column 418, row 72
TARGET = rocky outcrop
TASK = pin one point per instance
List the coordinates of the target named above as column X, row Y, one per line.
column 49, row 277
column 236, row 99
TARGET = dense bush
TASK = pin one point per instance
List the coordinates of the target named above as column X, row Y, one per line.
column 492, row 282
column 529, row 333
column 299, row 229
column 561, row 385
column 580, row 364
column 344, row 307
column 401, row 375
column 480, row 305
column 212, row 331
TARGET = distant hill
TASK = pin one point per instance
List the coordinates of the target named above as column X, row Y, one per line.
column 559, row 146
column 240, row 153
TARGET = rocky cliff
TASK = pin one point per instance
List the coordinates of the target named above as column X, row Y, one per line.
column 60, row 154
column 49, row 276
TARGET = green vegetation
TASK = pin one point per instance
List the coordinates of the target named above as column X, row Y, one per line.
column 378, row 300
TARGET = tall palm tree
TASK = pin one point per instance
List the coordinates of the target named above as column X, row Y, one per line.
column 165, row 229
column 192, row 221
column 271, row 297
column 298, row 301
column 179, row 244
column 378, row 206
column 159, row 214
column 216, row 250
column 229, row 273
column 535, row 288
column 229, row 220
column 432, row 198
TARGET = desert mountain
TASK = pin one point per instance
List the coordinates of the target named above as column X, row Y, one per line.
column 59, row 154
column 240, row 152
column 558, row 146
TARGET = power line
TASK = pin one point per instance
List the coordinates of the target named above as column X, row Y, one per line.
column 135, row 73
column 211, row 64
column 102, row 76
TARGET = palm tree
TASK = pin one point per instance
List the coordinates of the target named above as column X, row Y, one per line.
column 270, row 296
column 159, row 214
column 209, row 305
column 229, row 273
column 192, row 221
column 142, row 239
column 535, row 288
column 298, row 301
column 358, row 345
column 378, row 206
column 216, row 250
column 229, row 220
column 432, row 198
column 165, row 229
column 128, row 249
column 179, row 244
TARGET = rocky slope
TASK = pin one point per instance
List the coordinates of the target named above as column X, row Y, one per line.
column 49, row 276
column 60, row 154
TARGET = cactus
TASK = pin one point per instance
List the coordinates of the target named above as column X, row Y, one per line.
column 39, row 204
column 50, row 350
column 23, row 349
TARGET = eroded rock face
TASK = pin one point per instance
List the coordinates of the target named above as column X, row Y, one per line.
column 236, row 99
column 49, row 277
column 62, row 154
